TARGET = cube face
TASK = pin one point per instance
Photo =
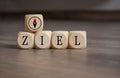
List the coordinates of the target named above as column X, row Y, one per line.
column 33, row 22
column 25, row 40
column 43, row 39
column 60, row 39
column 77, row 39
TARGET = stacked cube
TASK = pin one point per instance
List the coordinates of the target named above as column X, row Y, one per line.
column 35, row 37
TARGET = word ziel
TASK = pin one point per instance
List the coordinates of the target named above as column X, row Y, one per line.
column 55, row 39
column 35, row 37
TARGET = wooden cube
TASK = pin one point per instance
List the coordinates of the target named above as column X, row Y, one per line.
column 77, row 39
column 25, row 40
column 33, row 22
column 59, row 39
column 43, row 39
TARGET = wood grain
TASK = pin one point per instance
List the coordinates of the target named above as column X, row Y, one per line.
column 101, row 59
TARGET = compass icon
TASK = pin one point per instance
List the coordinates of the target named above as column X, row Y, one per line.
column 34, row 23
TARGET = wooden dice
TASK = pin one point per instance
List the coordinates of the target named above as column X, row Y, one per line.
column 77, row 39
column 55, row 39
column 59, row 39
column 33, row 22
column 25, row 40
column 35, row 37
column 43, row 39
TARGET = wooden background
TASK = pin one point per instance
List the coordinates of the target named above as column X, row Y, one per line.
column 101, row 59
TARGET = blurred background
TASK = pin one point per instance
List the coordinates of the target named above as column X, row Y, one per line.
column 64, row 9
column 99, row 18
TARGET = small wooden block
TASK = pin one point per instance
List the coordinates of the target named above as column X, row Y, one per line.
column 33, row 22
column 77, row 39
column 59, row 39
column 25, row 40
column 43, row 39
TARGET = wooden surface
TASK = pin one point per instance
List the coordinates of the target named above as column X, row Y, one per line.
column 101, row 59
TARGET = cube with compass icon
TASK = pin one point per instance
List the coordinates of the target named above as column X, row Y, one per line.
column 33, row 22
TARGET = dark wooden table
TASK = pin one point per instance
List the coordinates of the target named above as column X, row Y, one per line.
column 101, row 59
